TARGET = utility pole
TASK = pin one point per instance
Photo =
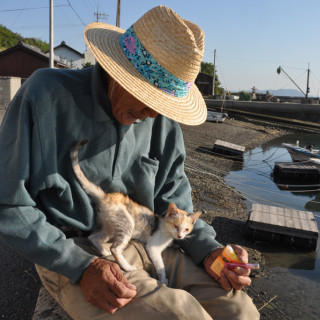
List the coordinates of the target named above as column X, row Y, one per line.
column 51, row 55
column 214, row 73
column 100, row 15
column 308, row 89
column 118, row 13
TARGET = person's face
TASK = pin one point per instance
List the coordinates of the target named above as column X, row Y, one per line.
column 125, row 107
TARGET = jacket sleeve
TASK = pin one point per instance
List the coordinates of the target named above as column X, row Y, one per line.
column 172, row 185
column 23, row 226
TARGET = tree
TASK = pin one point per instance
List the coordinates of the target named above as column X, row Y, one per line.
column 9, row 39
column 207, row 68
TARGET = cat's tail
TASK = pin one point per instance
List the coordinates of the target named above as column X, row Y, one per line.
column 89, row 187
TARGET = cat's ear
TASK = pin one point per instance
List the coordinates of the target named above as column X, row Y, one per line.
column 194, row 216
column 172, row 210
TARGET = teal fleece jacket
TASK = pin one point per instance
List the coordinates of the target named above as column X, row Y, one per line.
column 39, row 192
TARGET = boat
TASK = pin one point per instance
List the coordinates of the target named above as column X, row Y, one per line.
column 315, row 161
column 307, row 153
column 213, row 116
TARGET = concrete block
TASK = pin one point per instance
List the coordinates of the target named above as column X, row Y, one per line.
column 8, row 88
column 2, row 112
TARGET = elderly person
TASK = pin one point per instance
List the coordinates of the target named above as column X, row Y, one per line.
column 128, row 107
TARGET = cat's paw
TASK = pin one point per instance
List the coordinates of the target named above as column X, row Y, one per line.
column 164, row 281
column 105, row 252
column 129, row 267
column 162, row 278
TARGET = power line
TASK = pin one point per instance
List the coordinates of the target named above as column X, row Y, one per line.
column 34, row 8
column 18, row 15
column 75, row 12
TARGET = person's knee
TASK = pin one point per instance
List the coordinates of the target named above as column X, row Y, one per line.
column 243, row 307
column 176, row 304
column 236, row 305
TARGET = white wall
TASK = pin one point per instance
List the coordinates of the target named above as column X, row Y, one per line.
column 67, row 56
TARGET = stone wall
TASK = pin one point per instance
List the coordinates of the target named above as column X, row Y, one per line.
column 8, row 88
column 299, row 111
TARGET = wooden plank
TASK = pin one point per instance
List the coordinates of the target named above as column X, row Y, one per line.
column 228, row 149
column 278, row 220
column 289, row 212
column 229, row 145
column 287, row 220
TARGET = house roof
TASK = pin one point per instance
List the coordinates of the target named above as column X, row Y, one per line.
column 64, row 45
column 30, row 49
column 24, row 46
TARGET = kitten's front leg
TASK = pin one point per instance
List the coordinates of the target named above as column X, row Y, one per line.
column 162, row 277
column 156, row 258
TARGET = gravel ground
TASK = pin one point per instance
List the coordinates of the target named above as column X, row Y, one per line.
column 19, row 287
column 222, row 207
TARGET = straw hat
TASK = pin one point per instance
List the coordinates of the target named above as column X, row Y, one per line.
column 156, row 60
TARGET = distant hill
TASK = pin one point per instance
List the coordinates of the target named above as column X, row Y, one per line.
column 283, row 92
column 9, row 39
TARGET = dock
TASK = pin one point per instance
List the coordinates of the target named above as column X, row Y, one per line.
column 295, row 228
column 229, row 149
column 298, row 171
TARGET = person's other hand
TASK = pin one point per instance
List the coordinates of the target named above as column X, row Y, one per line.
column 236, row 278
column 104, row 285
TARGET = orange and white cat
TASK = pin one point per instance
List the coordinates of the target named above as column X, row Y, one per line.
column 121, row 219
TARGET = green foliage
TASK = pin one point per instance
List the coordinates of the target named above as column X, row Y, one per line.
column 9, row 39
column 244, row 96
column 87, row 65
column 207, row 68
column 44, row 46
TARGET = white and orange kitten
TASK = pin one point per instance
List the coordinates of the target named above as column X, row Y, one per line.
column 121, row 219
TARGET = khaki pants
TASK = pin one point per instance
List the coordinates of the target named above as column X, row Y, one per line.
column 191, row 293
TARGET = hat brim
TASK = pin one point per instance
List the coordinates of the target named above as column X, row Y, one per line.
column 103, row 42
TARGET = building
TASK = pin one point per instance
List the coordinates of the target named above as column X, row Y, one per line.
column 204, row 84
column 69, row 56
column 89, row 58
column 23, row 59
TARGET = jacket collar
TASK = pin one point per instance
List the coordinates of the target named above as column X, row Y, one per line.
column 102, row 106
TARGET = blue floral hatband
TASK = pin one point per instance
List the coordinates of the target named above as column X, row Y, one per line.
column 150, row 68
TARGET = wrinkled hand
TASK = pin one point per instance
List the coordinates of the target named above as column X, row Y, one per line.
column 104, row 285
column 236, row 278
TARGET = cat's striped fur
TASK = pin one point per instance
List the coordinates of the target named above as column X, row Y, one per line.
column 121, row 219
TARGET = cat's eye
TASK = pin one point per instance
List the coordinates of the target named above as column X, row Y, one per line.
column 187, row 230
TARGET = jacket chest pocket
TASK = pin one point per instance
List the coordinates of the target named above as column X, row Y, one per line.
column 140, row 180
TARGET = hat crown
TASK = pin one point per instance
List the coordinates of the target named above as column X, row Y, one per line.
column 176, row 44
column 156, row 60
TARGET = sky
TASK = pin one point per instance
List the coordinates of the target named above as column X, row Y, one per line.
column 252, row 38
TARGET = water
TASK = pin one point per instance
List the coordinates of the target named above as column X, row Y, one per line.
column 295, row 274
